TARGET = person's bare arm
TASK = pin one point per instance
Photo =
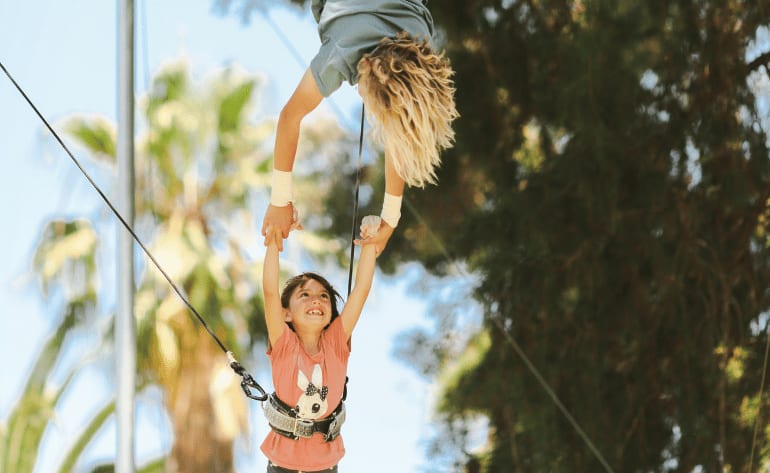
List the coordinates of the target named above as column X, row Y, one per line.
column 274, row 317
column 304, row 100
column 394, row 185
column 364, row 275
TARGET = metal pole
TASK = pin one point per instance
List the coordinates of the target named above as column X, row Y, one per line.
column 125, row 329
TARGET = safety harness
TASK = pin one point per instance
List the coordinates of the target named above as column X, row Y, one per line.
column 284, row 420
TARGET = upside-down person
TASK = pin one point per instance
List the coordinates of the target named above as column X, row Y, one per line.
column 386, row 47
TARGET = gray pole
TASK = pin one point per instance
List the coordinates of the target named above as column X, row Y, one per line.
column 125, row 329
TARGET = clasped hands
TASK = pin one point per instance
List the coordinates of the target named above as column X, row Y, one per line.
column 279, row 221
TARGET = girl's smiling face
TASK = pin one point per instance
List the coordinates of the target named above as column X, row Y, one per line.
column 310, row 306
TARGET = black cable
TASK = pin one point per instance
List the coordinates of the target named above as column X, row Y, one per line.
column 355, row 202
column 248, row 381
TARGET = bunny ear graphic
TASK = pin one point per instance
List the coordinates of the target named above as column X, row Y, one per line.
column 302, row 380
column 318, row 377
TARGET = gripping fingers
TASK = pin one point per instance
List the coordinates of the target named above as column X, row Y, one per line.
column 295, row 223
column 273, row 235
column 370, row 226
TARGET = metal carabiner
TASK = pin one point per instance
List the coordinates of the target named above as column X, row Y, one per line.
column 248, row 381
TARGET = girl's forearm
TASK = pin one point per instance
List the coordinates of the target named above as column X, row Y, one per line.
column 355, row 303
column 366, row 266
column 270, row 270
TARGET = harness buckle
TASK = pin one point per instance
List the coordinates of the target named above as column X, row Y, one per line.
column 284, row 421
column 334, row 429
column 335, row 425
column 303, row 427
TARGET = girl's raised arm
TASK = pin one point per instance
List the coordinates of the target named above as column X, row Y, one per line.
column 364, row 276
column 274, row 316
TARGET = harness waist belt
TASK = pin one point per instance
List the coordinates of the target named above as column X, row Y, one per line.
column 284, row 421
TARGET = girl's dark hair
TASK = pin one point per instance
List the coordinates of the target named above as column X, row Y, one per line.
column 299, row 281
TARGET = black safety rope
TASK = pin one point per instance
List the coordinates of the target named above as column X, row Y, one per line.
column 355, row 201
column 248, row 381
column 355, row 218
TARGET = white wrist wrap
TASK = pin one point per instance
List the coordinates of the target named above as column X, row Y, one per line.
column 391, row 209
column 282, row 191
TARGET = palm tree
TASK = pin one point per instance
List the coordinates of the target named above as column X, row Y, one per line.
column 66, row 252
column 199, row 165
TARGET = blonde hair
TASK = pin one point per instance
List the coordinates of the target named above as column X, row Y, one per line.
column 409, row 94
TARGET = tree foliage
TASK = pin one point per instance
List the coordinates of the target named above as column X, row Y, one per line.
column 64, row 263
column 609, row 186
column 613, row 169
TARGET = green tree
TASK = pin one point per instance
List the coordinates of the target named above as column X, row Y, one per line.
column 65, row 266
column 65, row 253
column 612, row 176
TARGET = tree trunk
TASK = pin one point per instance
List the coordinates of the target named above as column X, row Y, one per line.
column 197, row 448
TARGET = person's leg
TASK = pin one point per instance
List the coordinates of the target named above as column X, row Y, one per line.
column 277, row 469
column 271, row 468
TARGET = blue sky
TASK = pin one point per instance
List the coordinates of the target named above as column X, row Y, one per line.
column 63, row 55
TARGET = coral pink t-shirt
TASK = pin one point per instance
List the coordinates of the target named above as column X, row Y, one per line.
column 314, row 384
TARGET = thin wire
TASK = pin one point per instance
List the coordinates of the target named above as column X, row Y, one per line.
column 517, row 348
column 552, row 395
column 759, row 401
column 148, row 169
column 145, row 43
column 450, row 259
column 355, row 201
column 115, row 211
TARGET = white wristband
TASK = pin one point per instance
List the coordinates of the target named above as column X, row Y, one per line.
column 282, row 191
column 391, row 209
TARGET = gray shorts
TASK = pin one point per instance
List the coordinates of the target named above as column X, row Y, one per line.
column 277, row 469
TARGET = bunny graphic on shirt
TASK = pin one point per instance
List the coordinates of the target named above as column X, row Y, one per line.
column 312, row 404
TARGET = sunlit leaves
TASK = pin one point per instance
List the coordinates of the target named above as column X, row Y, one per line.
column 66, row 255
column 457, row 370
column 22, row 433
column 98, row 135
column 89, row 432
column 233, row 105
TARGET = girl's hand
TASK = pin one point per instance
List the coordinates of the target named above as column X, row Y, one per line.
column 378, row 238
column 282, row 220
column 273, row 237
column 370, row 225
